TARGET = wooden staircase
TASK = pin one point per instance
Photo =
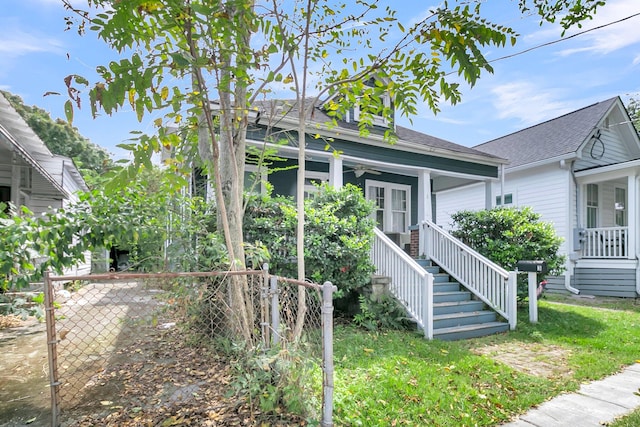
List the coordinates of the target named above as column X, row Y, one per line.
column 456, row 314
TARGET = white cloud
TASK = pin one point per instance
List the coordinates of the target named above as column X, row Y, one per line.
column 15, row 42
column 601, row 40
column 527, row 102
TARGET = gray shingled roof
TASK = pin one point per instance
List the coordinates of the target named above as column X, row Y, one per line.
column 556, row 137
column 33, row 150
column 404, row 134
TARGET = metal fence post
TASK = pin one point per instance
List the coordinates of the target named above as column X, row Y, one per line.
column 52, row 343
column 264, row 307
column 275, row 311
column 327, row 353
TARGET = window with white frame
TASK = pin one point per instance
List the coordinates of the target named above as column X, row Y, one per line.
column 508, row 199
column 392, row 205
column 620, row 206
column 312, row 180
column 592, row 206
column 377, row 120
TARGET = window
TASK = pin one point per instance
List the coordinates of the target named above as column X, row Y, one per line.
column 254, row 179
column 392, row 205
column 508, row 199
column 592, row 205
column 376, row 120
column 5, row 197
column 620, row 203
column 312, row 180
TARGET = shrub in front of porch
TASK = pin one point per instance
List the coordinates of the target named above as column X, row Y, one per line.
column 338, row 235
column 509, row 235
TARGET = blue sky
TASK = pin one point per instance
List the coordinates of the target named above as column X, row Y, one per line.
column 524, row 90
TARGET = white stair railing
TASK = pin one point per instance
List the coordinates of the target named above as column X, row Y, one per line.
column 489, row 282
column 411, row 284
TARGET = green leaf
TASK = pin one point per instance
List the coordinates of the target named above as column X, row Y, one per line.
column 68, row 111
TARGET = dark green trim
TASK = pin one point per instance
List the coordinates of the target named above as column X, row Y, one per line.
column 386, row 154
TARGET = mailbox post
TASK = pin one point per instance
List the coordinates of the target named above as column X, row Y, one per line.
column 532, row 268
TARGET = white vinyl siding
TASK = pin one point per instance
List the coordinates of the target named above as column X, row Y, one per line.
column 471, row 197
column 605, row 150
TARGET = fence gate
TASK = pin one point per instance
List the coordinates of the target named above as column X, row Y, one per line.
column 112, row 331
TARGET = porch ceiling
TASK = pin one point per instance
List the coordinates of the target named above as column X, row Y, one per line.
column 609, row 172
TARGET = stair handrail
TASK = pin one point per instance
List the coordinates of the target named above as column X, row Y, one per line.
column 488, row 281
column 410, row 284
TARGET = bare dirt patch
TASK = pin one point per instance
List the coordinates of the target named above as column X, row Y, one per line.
column 125, row 359
column 537, row 359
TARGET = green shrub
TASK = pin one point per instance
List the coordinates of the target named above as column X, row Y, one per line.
column 338, row 235
column 509, row 235
column 385, row 312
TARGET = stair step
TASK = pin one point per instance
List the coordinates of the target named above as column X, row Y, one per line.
column 457, row 307
column 451, row 296
column 446, row 287
column 470, row 331
column 441, row 277
column 434, row 269
column 451, row 320
column 424, row 262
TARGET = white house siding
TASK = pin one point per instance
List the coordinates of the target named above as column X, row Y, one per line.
column 546, row 190
column 606, row 150
column 39, row 205
column 470, row 197
column 5, row 175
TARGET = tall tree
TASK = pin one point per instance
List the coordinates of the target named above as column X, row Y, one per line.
column 63, row 139
column 209, row 47
column 633, row 107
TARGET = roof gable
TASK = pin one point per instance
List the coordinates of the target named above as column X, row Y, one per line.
column 281, row 113
column 562, row 136
column 33, row 150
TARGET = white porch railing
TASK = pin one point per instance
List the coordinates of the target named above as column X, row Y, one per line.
column 606, row 242
column 486, row 280
column 410, row 283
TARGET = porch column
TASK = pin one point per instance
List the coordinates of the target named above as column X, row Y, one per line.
column 335, row 172
column 632, row 215
column 488, row 198
column 424, row 204
column 15, row 181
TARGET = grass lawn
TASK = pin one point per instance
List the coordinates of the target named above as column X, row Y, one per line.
column 399, row 378
column 631, row 420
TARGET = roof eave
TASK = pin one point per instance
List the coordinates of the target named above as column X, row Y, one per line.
column 376, row 140
column 544, row 162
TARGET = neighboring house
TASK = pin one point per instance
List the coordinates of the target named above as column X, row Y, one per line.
column 580, row 172
column 31, row 176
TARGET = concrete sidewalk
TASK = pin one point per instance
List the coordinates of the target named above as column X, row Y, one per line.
column 594, row 404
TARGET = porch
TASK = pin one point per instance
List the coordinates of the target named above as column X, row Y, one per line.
column 607, row 212
column 605, row 242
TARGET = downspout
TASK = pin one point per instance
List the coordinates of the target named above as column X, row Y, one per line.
column 502, row 183
column 637, row 209
column 572, row 260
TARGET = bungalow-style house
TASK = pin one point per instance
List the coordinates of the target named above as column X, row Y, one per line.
column 400, row 179
column 30, row 175
column 580, row 172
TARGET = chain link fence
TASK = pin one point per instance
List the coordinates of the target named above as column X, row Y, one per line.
column 101, row 328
